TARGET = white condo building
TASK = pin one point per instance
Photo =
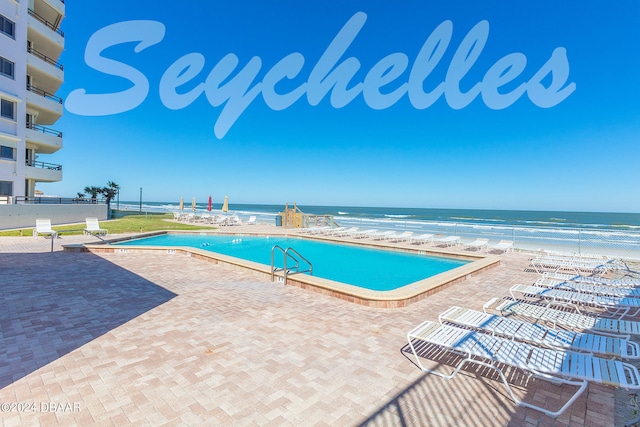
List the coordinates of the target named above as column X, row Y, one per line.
column 30, row 45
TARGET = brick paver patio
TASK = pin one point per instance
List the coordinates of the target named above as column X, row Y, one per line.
column 162, row 339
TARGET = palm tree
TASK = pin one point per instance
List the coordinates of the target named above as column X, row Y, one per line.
column 93, row 191
column 109, row 192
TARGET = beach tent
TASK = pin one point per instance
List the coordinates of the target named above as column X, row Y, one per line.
column 225, row 205
column 209, row 207
column 181, row 205
column 193, row 204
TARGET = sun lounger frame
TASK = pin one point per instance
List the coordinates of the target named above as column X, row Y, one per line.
column 604, row 345
column 577, row 266
column 559, row 318
column 589, row 288
column 626, row 282
column 613, row 306
column 490, row 351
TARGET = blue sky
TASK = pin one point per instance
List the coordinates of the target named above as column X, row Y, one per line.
column 580, row 154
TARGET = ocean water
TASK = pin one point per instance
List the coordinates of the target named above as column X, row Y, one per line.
column 616, row 234
column 593, row 220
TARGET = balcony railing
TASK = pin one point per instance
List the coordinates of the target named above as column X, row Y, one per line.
column 45, row 22
column 37, row 200
column 44, row 165
column 47, row 95
column 45, row 58
column 43, row 129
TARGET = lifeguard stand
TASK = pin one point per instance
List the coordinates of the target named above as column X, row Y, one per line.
column 292, row 217
column 295, row 218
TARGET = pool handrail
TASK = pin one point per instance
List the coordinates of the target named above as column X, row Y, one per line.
column 286, row 253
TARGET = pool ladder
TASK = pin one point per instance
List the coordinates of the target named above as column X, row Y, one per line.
column 292, row 254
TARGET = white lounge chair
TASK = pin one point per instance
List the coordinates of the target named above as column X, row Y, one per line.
column 382, row 235
column 625, row 282
column 93, row 227
column 520, row 330
column 448, row 241
column 366, row 233
column 319, row 230
column 402, row 237
column 502, row 246
column 555, row 366
column 43, row 226
column 478, row 244
column 347, row 232
column 335, row 231
column 574, row 256
column 421, row 239
column 561, row 318
column 589, row 288
column 614, row 306
column 251, row 220
column 577, row 266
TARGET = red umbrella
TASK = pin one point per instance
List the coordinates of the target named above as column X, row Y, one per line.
column 209, row 205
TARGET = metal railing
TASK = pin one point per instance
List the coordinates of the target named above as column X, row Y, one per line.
column 42, row 93
column 45, row 58
column 42, row 200
column 45, row 130
column 287, row 253
column 618, row 242
column 46, row 23
column 44, row 165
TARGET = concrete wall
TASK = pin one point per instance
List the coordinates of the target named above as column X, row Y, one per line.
column 22, row 216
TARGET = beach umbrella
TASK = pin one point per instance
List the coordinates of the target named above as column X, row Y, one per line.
column 209, row 207
column 181, row 205
column 225, row 205
column 193, row 204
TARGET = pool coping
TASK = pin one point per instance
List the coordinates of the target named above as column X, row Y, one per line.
column 400, row 297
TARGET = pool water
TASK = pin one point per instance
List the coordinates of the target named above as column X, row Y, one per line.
column 369, row 268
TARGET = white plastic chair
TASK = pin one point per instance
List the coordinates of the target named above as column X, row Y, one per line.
column 43, row 226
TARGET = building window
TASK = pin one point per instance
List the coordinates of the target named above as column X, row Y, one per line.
column 8, row 27
column 6, row 152
column 6, row 67
column 7, row 109
column 6, row 188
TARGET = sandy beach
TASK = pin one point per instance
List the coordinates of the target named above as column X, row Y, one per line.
column 162, row 339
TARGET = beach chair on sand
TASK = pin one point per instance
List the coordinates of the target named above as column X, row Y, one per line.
column 93, row 227
column 556, row 366
column 573, row 320
column 43, row 226
column 251, row 220
column 584, row 342
column 614, row 306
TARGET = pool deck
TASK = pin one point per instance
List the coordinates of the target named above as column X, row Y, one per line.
column 159, row 339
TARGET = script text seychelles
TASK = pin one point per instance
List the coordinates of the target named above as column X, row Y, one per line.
column 333, row 73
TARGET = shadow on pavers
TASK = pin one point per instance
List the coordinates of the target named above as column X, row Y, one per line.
column 53, row 303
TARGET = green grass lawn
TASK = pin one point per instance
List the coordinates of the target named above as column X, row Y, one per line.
column 124, row 223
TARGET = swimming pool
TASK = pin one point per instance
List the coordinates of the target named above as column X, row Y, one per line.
column 368, row 268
